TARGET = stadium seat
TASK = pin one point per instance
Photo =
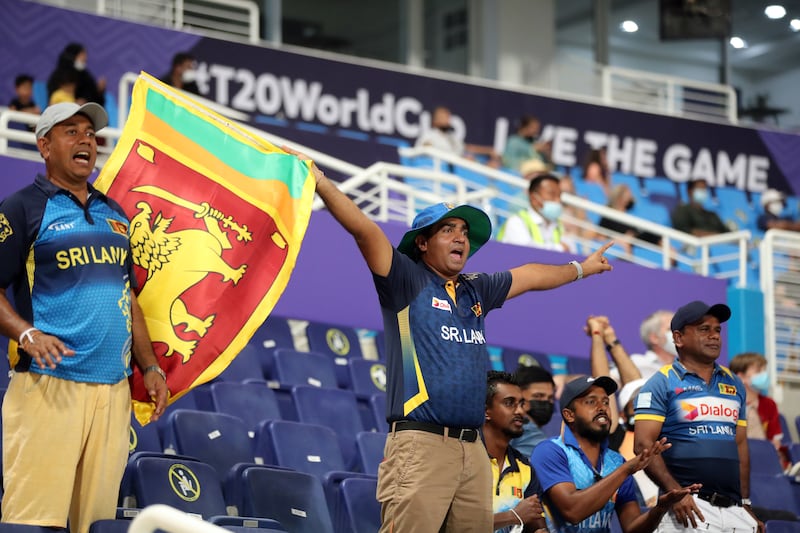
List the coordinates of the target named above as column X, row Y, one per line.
column 274, row 333
column 252, row 402
column 143, row 438
column 291, row 368
column 334, row 408
column 370, row 445
column 380, row 345
column 295, row 499
column 648, row 209
column 553, row 428
column 247, row 524
column 217, row 439
column 126, row 502
column 246, row 365
column 764, row 457
column 359, row 511
column 787, row 435
column 22, row 528
column 794, row 452
column 377, row 403
column 187, row 485
column 110, row 526
column 734, row 208
column 188, row 401
column 579, row 365
column 782, row 526
column 772, row 492
column 367, row 377
column 338, row 342
column 308, row 448
column 513, row 358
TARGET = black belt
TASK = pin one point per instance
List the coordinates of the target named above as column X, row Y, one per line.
column 465, row 434
column 718, row 500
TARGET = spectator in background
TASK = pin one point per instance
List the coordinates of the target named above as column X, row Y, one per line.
column 575, row 226
column 524, row 146
column 183, row 73
column 442, row 136
column 73, row 59
column 595, row 169
column 516, row 496
column 773, row 203
column 538, row 389
column 23, row 95
column 763, row 421
column 539, row 226
column 621, row 199
column 693, row 217
column 66, row 83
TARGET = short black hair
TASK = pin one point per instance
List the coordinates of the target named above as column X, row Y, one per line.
column 180, row 58
column 493, row 378
column 22, row 78
column 538, row 180
column 527, row 375
column 691, row 184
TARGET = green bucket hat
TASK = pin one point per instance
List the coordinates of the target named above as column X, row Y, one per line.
column 480, row 227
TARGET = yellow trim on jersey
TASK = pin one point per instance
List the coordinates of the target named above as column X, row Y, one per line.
column 408, row 350
column 657, row 418
column 742, row 422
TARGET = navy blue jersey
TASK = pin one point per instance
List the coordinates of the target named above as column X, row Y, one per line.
column 70, row 269
column 437, row 357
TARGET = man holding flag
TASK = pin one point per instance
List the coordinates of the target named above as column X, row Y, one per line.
column 76, row 325
column 435, row 476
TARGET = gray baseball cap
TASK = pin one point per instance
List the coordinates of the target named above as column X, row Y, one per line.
column 60, row 112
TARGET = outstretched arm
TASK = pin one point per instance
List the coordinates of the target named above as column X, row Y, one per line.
column 373, row 243
column 537, row 277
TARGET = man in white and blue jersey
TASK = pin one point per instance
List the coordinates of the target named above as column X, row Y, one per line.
column 699, row 406
column 435, row 476
column 74, row 327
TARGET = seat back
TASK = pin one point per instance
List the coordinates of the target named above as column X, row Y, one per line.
column 338, row 342
column 252, row 402
column 334, row 408
column 764, row 457
column 360, row 511
column 308, row 448
column 143, row 438
column 246, row 365
column 217, row 439
column 782, row 526
column 377, row 403
column 772, row 492
column 291, row 367
column 274, row 333
column 370, row 445
column 110, row 526
column 367, row 377
column 295, row 499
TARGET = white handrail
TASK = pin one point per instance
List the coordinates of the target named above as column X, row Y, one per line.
column 168, row 518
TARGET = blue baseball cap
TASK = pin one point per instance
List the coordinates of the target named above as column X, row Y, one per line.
column 480, row 227
column 694, row 311
column 578, row 387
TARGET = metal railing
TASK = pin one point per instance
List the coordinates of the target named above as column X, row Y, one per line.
column 669, row 95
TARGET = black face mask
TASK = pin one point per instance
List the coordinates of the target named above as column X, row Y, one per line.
column 530, row 138
column 446, row 129
column 541, row 411
column 630, row 205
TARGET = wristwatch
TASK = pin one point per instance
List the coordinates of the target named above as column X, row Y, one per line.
column 157, row 369
column 747, row 502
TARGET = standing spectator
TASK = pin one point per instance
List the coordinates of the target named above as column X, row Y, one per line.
column 66, row 414
column 693, row 217
column 442, row 136
column 23, row 95
column 656, row 335
column 524, row 146
column 585, row 482
column 66, row 83
column 539, row 226
column 539, row 391
column 183, row 73
column 700, row 407
column 73, row 59
column 435, row 476
column 516, row 488
column 595, row 169
column 773, row 203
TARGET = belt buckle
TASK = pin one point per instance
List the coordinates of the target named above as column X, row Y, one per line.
column 462, row 432
column 720, row 500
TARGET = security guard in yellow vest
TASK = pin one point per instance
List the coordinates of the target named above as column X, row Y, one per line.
column 538, row 226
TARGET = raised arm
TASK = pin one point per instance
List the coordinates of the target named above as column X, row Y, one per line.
column 595, row 328
column 538, row 277
column 373, row 243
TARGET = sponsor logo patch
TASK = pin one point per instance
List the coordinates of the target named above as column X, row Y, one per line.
column 117, row 226
column 5, row 228
column 444, row 305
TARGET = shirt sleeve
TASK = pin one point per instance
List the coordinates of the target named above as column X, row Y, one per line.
column 493, row 288
column 396, row 289
column 626, row 492
column 652, row 401
column 551, row 465
column 16, row 237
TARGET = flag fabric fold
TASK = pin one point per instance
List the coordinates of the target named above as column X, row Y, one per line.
column 217, row 219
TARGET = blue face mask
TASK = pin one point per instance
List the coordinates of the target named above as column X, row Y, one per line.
column 552, row 210
column 760, row 382
column 700, row 196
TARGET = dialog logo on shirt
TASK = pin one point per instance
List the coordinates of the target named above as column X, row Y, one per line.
column 710, row 409
column 444, row 305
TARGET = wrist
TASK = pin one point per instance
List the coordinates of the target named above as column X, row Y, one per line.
column 746, row 502
column 157, row 369
column 578, row 268
column 611, row 344
column 27, row 335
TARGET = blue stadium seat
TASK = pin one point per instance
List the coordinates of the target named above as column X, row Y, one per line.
column 734, row 208
column 377, row 403
column 590, row 191
column 360, row 510
column 782, row 526
column 338, row 342
column 217, row 439
column 308, row 448
column 295, row 499
column 579, row 365
column 291, row 368
column 765, row 456
column 188, row 401
column 126, row 501
column 190, row 486
column 513, row 358
column 143, row 438
column 274, row 333
column 370, row 445
column 367, row 377
column 651, row 210
column 252, row 402
column 110, row 526
column 22, row 528
column 380, row 345
column 247, row 524
column 772, row 492
column 334, row 408
column 787, row 435
column 246, row 365
column 662, row 186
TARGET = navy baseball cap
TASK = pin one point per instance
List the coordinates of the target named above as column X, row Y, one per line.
column 480, row 227
column 578, row 387
column 694, row 311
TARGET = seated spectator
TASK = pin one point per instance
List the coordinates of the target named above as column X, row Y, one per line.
column 584, row 481
column 538, row 389
column 576, row 228
column 524, row 146
column 595, row 169
column 442, row 136
column 693, row 217
column 516, row 496
column 621, row 199
column 762, row 411
column 774, row 205
column 23, row 95
column 73, row 59
column 183, row 73
column 66, row 82
column 539, row 226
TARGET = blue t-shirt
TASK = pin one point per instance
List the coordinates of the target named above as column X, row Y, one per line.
column 700, row 421
column 436, row 348
column 561, row 460
column 70, row 269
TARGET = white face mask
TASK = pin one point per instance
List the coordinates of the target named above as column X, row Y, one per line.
column 79, row 65
column 188, row 76
column 669, row 344
column 775, row 208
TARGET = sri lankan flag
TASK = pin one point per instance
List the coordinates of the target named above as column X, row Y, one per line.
column 217, row 217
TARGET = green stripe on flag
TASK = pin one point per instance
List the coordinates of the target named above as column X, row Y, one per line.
column 239, row 156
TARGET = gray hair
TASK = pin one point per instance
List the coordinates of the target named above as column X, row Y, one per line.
column 651, row 326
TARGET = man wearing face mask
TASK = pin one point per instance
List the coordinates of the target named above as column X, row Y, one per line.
column 657, row 338
column 538, row 389
column 443, row 136
column 693, row 217
column 539, row 226
column 774, row 217
column 183, row 73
